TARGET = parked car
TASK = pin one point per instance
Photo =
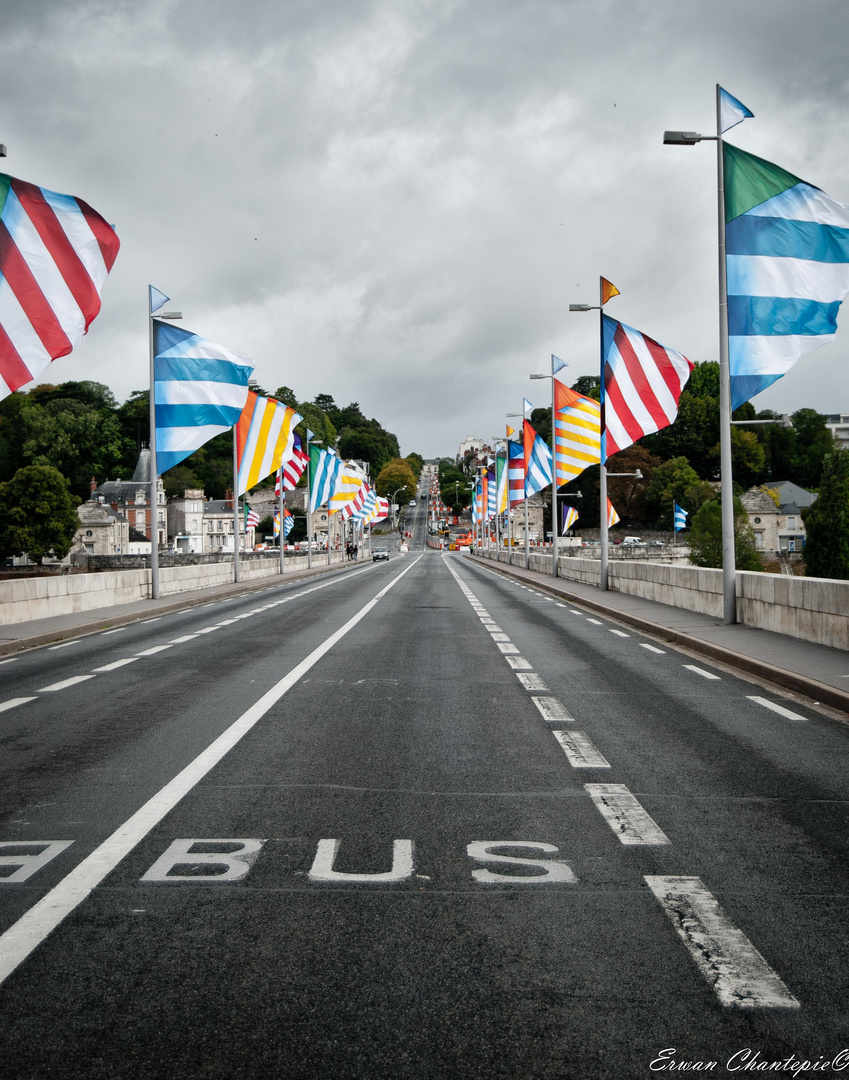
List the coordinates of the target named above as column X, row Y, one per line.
column 412, row 502
column 379, row 553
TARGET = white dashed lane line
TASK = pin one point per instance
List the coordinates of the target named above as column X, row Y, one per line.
column 618, row 633
column 552, row 709
column 625, row 816
column 64, row 683
column 180, row 640
column 518, row 663
column 701, row 671
column 64, row 645
column 11, row 660
column 596, row 622
column 116, row 664
column 652, row 648
column 531, row 681
column 507, row 647
column 580, row 751
column 13, row 702
column 153, row 650
column 117, row 630
column 738, row 974
column 777, row 708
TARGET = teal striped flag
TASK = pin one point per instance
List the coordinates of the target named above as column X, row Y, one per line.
column 199, row 390
column 787, row 263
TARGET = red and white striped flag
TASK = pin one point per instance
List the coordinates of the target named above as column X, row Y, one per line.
column 294, row 465
column 612, row 516
column 516, row 472
column 642, row 384
column 55, row 253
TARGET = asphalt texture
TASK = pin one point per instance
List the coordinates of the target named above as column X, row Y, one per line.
column 369, row 929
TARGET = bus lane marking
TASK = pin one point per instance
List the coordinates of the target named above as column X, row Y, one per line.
column 31, row 929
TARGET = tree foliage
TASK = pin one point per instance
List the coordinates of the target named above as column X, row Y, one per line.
column 706, row 537
column 827, row 521
column 397, row 474
column 38, row 514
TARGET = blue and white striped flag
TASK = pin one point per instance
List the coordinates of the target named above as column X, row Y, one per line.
column 199, row 390
column 787, row 263
column 731, row 111
column 538, row 462
column 325, row 469
column 680, row 517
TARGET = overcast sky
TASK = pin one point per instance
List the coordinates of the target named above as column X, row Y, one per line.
column 395, row 202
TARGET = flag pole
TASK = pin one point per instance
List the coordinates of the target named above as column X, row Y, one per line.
column 236, row 566
column 281, row 510
column 154, row 525
column 729, row 561
column 554, row 522
column 309, row 501
column 602, row 475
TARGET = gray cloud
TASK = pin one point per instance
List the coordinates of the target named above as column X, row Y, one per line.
column 395, row 202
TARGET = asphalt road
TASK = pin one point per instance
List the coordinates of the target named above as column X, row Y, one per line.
column 412, row 821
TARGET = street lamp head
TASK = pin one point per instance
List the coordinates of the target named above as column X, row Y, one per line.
column 169, row 315
column 539, row 376
column 681, row 138
column 580, row 307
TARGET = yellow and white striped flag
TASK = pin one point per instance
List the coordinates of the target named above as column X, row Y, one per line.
column 265, row 437
column 577, row 432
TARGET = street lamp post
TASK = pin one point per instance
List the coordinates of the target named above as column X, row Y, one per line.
column 602, row 473
column 554, row 517
column 511, row 416
column 154, row 508
column 729, row 567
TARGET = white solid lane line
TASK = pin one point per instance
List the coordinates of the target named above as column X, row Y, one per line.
column 12, row 702
column 34, row 925
column 701, row 671
column 652, row 648
column 552, row 709
column 580, row 751
column 65, row 682
column 625, row 816
column 777, row 708
column 116, row 664
column 739, row 975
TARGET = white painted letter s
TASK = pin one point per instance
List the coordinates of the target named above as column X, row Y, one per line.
column 555, row 871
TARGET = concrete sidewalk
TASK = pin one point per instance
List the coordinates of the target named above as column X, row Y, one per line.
column 817, row 671
column 17, row 636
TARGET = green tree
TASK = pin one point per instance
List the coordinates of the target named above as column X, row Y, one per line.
column 827, row 521
column 748, row 458
column 628, row 493
column 814, row 441
column 38, row 514
column 706, row 537
column 176, row 480
column 589, row 386
column 675, row 481
column 134, row 421
column 287, row 396
column 416, row 462
column 80, row 440
column 397, row 474
column 318, row 422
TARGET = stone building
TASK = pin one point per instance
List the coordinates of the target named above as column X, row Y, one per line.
column 132, row 499
column 777, row 521
column 102, row 531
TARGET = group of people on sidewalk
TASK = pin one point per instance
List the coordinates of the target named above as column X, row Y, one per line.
column 352, row 551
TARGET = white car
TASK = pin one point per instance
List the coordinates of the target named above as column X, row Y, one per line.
column 412, row 502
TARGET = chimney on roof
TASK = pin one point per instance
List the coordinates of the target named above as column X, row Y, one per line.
column 92, row 485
